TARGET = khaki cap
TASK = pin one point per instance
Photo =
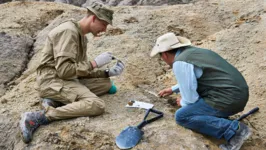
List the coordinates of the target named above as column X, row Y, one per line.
column 101, row 11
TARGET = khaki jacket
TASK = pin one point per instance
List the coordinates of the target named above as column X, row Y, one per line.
column 64, row 57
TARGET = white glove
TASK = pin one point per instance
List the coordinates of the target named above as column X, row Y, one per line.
column 117, row 69
column 103, row 59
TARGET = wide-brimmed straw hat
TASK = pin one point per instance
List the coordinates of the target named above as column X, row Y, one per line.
column 168, row 42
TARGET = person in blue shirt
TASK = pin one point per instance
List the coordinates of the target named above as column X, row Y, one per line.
column 211, row 90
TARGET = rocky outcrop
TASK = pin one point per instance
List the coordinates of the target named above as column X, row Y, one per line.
column 14, row 56
column 4, row 1
column 72, row 2
column 139, row 2
column 85, row 3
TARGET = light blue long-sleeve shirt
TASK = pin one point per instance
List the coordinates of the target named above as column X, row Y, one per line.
column 186, row 74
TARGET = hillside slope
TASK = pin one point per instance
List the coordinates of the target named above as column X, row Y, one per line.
column 233, row 28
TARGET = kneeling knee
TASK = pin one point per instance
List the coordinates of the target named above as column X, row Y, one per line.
column 180, row 119
column 99, row 109
column 93, row 108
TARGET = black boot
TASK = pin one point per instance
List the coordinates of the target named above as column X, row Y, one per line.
column 29, row 122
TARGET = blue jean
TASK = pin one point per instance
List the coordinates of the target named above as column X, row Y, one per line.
column 202, row 118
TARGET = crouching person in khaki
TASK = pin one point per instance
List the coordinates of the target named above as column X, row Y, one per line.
column 66, row 79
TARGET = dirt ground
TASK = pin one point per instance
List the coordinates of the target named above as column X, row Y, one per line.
column 233, row 28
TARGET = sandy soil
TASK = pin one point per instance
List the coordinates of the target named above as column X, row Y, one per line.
column 233, row 28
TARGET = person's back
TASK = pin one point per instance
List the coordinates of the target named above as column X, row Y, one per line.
column 221, row 85
column 46, row 70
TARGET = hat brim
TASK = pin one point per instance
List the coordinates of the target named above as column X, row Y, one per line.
column 99, row 16
column 154, row 51
column 183, row 42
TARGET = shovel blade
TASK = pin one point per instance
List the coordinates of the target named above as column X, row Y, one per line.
column 129, row 137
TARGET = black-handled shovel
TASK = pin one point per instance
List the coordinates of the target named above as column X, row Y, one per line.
column 247, row 114
column 131, row 135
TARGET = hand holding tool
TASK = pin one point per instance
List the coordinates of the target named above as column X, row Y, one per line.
column 117, row 69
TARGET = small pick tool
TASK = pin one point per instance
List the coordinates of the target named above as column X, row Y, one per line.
column 131, row 135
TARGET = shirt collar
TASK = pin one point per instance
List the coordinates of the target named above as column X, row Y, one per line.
column 78, row 27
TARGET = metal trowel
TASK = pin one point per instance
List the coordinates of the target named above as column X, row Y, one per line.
column 131, row 135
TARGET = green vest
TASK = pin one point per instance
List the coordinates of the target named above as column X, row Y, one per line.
column 221, row 85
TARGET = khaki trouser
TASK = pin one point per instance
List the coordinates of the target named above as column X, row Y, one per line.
column 79, row 98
